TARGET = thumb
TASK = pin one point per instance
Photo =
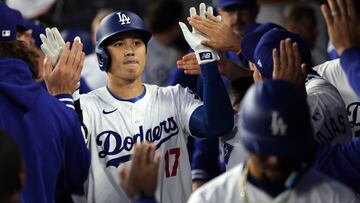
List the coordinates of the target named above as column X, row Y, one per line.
column 185, row 30
column 47, row 67
column 207, row 43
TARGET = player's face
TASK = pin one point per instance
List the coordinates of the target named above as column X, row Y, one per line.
column 271, row 169
column 128, row 57
column 256, row 73
column 237, row 18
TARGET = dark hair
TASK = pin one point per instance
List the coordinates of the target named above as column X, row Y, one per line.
column 11, row 166
column 164, row 14
column 18, row 49
column 296, row 12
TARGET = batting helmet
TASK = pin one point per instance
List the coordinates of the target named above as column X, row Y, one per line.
column 113, row 24
column 275, row 120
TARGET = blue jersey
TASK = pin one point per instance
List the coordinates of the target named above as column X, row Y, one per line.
column 47, row 132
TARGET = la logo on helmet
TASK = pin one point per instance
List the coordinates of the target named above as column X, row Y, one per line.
column 123, row 19
column 278, row 126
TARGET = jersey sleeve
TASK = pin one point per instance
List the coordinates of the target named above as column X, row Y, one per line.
column 333, row 72
column 350, row 62
column 186, row 102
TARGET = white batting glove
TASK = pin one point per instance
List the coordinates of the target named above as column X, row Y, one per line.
column 52, row 44
column 203, row 53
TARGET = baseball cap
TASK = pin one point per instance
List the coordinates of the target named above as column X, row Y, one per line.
column 245, row 3
column 7, row 25
column 252, row 38
column 270, row 40
column 19, row 20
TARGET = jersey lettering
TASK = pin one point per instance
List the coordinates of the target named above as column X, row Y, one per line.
column 175, row 152
column 123, row 19
column 353, row 111
column 278, row 126
column 333, row 130
column 111, row 143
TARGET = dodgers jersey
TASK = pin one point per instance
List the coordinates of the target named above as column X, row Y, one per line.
column 312, row 187
column 333, row 72
column 327, row 110
column 162, row 116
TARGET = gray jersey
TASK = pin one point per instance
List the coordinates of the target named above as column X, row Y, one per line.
column 312, row 187
column 333, row 72
column 162, row 116
column 327, row 110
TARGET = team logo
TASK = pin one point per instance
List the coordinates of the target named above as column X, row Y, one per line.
column 5, row 33
column 108, row 112
column 123, row 19
column 116, row 148
column 353, row 110
column 278, row 126
column 205, row 56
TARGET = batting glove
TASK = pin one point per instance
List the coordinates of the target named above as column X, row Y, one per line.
column 203, row 53
column 52, row 44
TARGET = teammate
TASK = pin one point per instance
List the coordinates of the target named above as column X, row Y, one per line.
column 47, row 132
column 281, row 152
column 128, row 111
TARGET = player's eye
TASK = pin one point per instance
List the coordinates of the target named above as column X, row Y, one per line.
column 118, row 44
column 138, row 42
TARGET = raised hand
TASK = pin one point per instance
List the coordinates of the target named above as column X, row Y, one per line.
column 64, row 78
column 203, row 53
column 342, row 24
column 287, row 65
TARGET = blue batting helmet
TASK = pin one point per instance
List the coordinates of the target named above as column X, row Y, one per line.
column 275, row 120
column 113, row 24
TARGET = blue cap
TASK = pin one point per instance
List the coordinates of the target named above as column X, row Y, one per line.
column 18, row 19
column 252, row 38
column 245, row 3
column 37, row 29
column 7, row 25
column 270, row 40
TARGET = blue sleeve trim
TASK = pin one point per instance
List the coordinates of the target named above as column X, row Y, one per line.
column 215, row 117
column 350, row 62
column 64, row 96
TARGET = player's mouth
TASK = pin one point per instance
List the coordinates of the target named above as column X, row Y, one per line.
column 131, row 62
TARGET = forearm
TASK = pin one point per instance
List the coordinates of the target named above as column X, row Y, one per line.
column 215, row 117
column 350, row 62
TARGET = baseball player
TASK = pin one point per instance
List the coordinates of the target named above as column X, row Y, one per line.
column 128, row 111
column 279, row 167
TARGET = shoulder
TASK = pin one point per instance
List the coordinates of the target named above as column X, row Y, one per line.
column 217, row 187
column 315, row 84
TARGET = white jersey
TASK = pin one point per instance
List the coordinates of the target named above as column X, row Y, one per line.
column 312, row 187
column 333, row 72
column 162, row 115
column 327, row 110
column 232, row 149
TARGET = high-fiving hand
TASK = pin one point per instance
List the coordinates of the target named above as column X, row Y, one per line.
column 52, row 44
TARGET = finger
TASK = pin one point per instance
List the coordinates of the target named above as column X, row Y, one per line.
column 297, row 56
column 327, row 15
column 303, row 70
column 276, row 61
column 351, row 10
column 192, row 72
column 136, row 156
column 342, row 9
column 192, row 11
column 145, row 153
column 152, row 152
column 186, row 32
column 291, row 69
column 202, row 9
column 50, row 37
column 59, row 40
column 333, row 6
column 43, row 39
column 208, row 43
column 79, row 52
column 64, row 56
column 211, row 17
column 74, row 51
column 283, row 61
column 47, row 67
column 210, row 11
column 189, row 56
column 156, row 161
